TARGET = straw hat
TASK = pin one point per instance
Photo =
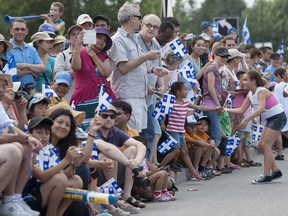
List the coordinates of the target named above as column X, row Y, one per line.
column 7, row 78
column 8, row 44
column 79, row 116
column 59, row 39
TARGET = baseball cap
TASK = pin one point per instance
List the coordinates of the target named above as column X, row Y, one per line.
column 204, row 118
column 81, row 134
column 84, row 18
column 43, row 36
column 191, row 120
column 110, row 108
column 235, row 53
column 63, row 77
column 72, row 28
column 102, row 17
column 34, row 122
column 229, row 31
column 221, row 51
column 36, row 98
column 204, row 25
column 48, row 28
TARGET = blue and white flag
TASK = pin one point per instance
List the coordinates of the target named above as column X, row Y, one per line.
column 281, row 49
column 228, row 101
column 167, row 103
column 198, row 93
column 104, row 101
column 215, row 28
column 111, row 187
column 94, row 154
column 257, row 131
column 245, row 33
column 164, row 147
column 187, row 71
column 48, row 91
column 178, row 48
column 10, row 68
column 73, row 106
column 157, row 114
column 232, row 144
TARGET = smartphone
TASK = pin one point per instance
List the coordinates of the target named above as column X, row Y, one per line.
column 89, row 37
column 10, row 130
column 189, row 36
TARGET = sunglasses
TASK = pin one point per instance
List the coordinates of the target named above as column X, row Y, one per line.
column 105, row 116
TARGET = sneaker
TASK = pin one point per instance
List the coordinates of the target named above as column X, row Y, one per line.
column 172, row 198
column 279, row 157
column 27, row 208
column 262, row 179
column 118, row 212
column 12, row 209
column 157, row 198
column 131, row 209
column 276, row 175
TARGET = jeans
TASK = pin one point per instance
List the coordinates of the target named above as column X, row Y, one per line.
column 214, row 127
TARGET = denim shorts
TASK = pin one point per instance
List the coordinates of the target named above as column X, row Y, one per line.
column 179, row 137
column 277, row 122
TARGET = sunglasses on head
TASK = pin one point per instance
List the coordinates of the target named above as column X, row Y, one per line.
column 105, row 116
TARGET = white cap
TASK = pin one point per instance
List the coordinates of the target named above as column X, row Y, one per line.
column 235, row 53
column 84, row 18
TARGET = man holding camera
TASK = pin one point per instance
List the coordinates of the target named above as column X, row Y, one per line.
column 135, row 152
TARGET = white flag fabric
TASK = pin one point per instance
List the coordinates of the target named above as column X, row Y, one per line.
column 10, row 68
column 178, row 48
column 281, row 49
column 48, row 91
column 257, row 131
column 111, row 187
column 232, row 144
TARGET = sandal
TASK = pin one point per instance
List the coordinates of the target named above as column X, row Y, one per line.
column 244, row 164
column 255, row 164
column 132, row 201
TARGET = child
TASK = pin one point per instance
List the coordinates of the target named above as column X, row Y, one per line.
column 244, row 134
column 38, row 106
column 175, row 127
column 54, row 18
column 273, row 112
column 49, row 182
column 205, row 147
column 61, row 85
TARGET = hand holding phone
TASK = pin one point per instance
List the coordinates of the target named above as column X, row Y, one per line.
column 89, row 37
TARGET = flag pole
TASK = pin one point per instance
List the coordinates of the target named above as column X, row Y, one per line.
column 100, row 95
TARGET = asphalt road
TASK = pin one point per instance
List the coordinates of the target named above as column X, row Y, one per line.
column 229, row 194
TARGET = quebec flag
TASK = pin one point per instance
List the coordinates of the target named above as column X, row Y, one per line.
column 94, row 154
column 48, row 91
column 257, row 131
column 215, row 28
column 10, row 68
column 232, row 144
column 157, row 114
column 281, row 49
column 178, row 48
column 245, row 33
column 111, row 187
column 104, row 101
column 164, row 147
column 188, row 72
column 228, row 101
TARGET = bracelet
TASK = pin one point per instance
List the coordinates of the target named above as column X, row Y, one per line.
column 152, row 70
column 90, row 135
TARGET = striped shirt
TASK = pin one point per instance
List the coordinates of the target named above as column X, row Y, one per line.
column 134, row 83
column 177, row 118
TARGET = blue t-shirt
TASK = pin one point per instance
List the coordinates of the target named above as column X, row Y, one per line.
column 28, row 55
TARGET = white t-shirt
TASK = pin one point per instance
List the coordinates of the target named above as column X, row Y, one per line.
column 278, row 92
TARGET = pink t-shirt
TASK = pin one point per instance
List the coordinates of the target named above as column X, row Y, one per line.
column 87, row 81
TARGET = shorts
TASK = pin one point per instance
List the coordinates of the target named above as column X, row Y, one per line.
column 179, row 137
column 34, row 199
column 277, row 122
column 222, row 146
column 245, row 137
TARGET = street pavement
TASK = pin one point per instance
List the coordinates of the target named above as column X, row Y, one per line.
column 229, row 194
